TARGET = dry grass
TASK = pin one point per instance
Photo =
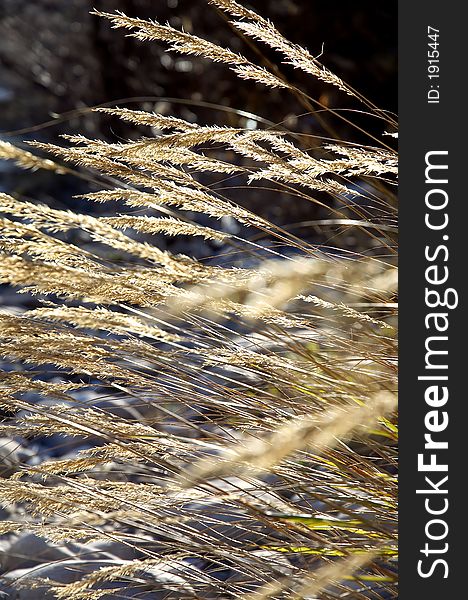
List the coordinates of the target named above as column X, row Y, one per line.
column 261, row 433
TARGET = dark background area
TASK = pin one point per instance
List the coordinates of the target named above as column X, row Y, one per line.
column 55, row 58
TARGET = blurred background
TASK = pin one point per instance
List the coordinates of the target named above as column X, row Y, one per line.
column 55, row 57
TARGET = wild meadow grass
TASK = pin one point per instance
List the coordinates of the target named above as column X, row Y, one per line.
column 232, row 419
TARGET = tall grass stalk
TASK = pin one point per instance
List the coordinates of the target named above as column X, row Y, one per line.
column 236, row 416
